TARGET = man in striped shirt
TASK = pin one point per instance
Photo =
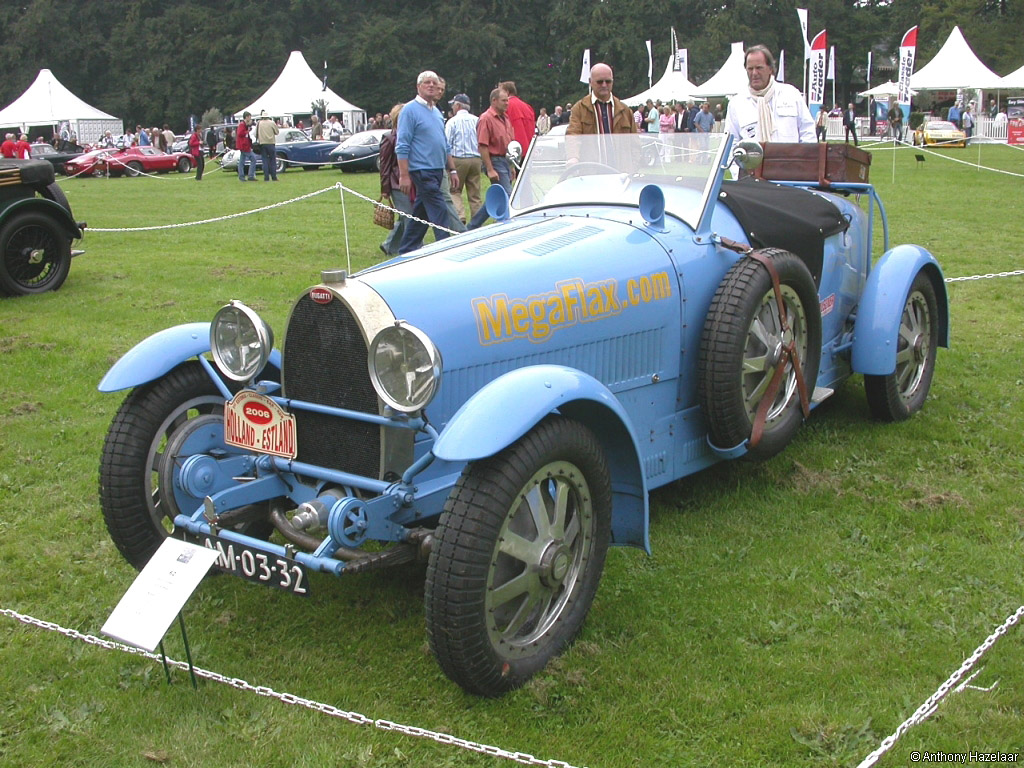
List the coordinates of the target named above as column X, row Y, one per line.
column 460, row 132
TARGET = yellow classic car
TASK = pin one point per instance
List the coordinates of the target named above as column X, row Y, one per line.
column 940, row 133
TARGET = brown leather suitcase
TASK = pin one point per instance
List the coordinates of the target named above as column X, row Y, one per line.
column 823, row 163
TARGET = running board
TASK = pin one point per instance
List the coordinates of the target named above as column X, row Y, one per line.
column 821, row 393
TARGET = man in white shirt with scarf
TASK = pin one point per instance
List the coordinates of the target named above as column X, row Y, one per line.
column 770, row 111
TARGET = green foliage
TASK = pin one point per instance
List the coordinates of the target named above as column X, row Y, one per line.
column 792, row 614
column 212, row 116
column 151, row 63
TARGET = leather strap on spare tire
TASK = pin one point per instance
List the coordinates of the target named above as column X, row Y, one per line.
column 789, row 353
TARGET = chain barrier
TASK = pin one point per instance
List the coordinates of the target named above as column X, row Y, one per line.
column 1014, row 273
column 927, row 709
column 355, row 718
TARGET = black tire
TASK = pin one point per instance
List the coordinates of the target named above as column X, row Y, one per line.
column 495, row 618
column 56, row 194
column 376, row 163
column 282, row 164
column 135, row 467
column 134, row 168
column 184, row 165
column 35, row 254
column 741, row 338
column 898, row 395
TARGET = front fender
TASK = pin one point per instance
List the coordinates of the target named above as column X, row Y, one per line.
column 50, row 208
column 511, row 405
column 881, row 307
column 153, row 357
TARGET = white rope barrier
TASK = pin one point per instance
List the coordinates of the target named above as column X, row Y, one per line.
column 355, row 718
column 904, row 145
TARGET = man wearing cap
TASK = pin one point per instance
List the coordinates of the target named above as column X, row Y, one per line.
column 460, row 132
column 422, row 153
column 600, row 111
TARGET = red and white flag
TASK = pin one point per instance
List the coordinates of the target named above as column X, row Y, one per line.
column 819, row 47
column 907, row 50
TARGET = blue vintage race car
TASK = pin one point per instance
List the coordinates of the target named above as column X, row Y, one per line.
column 294, row 149
column 500, row 403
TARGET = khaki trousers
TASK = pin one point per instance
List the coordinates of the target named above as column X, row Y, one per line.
column 469, row 175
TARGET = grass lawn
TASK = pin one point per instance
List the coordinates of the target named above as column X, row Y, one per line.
column 793, row 613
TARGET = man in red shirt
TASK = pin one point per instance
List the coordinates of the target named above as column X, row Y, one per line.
column 22, row 148
column 494, row 132
column 9, row 148
column 524, row 121
column 243, row 143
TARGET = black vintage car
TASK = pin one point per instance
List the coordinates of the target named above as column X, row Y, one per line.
column 36, row 229
column 41, row 151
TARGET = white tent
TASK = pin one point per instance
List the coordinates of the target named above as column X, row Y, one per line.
column 729, row 80
column 48, row 102
column 955, row 66
column 885, row 89
column 671, row 87
column 1013, row 81
column 295, row 90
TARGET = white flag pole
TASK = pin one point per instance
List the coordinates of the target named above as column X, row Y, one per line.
column 650, row 65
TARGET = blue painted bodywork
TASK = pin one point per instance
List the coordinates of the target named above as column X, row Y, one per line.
column 593, row 311
column 156, row 355
column 881, row 306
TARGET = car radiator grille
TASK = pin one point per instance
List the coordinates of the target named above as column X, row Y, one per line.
column 325, row 363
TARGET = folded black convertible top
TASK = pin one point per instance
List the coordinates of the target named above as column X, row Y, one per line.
column 784, row 217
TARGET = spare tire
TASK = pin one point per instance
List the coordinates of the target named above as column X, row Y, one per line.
column 742, row 346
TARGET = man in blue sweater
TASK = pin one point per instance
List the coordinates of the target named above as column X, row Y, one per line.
column 423, row 159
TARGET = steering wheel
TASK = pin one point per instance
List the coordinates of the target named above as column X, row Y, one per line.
column 578, row 169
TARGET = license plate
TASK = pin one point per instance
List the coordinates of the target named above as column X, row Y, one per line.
column 256, row 423
column 261, row 567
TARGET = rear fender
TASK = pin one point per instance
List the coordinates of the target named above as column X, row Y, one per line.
column 155, row 356
column 511, row 405
column 881, row 307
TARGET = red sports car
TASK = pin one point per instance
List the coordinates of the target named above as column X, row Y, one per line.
column 91, row 163
column 135, row 161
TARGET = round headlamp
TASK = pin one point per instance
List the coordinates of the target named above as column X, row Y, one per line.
column 405, row 367
column 241, row 342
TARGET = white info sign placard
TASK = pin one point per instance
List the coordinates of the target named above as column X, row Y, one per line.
column 158, row 593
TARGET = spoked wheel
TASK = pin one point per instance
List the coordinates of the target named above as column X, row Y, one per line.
column 742, row 349
column 517, row 557
column 184, row 165
column 158, row 426
column 35, row 254
column 282, row 164
column 896, row 396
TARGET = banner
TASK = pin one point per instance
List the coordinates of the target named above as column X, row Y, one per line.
column 869, row 69
column 674, row 47
column 585, row 70
column 907, row 50
column 831, row 62
column 1015, row 120
column 781, row 74
column 325, row 77
column 817, row 88
column 802, row 15
column 682, row 64
column 650, row 64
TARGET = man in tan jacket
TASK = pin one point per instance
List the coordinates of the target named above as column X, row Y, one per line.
column 600, row 111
